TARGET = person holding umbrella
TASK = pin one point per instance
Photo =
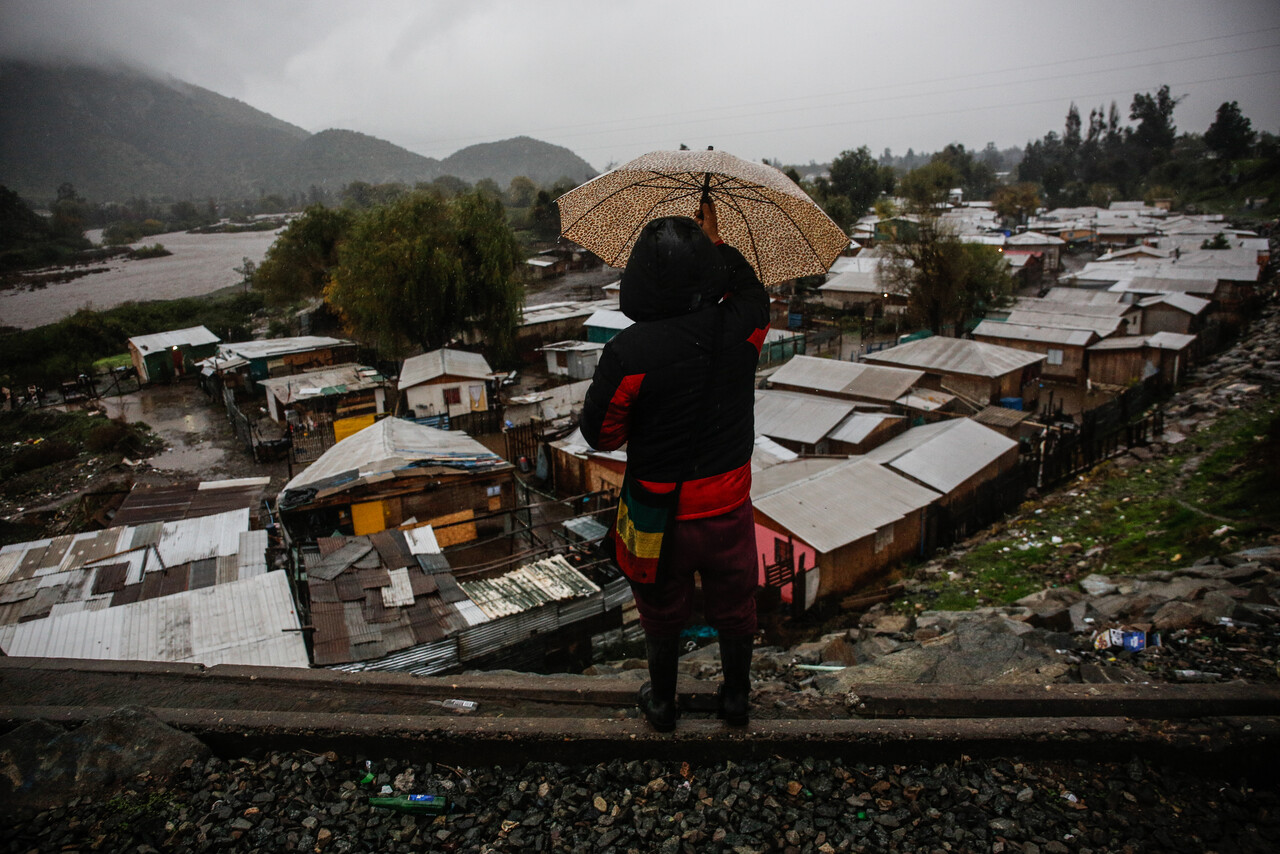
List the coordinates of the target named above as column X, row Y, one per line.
column 677, row 388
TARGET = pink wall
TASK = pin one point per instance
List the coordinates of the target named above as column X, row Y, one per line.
column 804, row 554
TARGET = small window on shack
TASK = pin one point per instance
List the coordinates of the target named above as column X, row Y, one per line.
column 1055, row 356
column 452, row 395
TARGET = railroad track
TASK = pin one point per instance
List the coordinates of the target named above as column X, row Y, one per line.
column 583, row 719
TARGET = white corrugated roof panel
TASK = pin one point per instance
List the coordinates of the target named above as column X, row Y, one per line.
column 279, row 346
column 205, row 537
column 252, row 621
column 422, row 540
column 192, row 336
column 945, row 454
column 843, row 503
column 440, row 363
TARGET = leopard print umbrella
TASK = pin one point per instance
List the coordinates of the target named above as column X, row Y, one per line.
column 761, row 211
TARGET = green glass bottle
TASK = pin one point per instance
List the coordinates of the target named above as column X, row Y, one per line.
column 416, row 804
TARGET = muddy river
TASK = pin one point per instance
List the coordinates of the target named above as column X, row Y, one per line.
column 200, row 264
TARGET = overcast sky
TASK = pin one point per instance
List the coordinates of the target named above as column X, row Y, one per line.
column 610, row 79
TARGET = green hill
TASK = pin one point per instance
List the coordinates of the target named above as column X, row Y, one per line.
column 539, row 161
column 118, row 133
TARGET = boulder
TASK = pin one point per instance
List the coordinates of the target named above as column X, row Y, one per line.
column 42, row 766
column 1177, row 614
column 1097, row 585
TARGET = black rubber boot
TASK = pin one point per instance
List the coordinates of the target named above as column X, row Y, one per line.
column 658, row 695
column 735, row 692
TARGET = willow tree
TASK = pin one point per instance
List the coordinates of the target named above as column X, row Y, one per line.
column 423, row 270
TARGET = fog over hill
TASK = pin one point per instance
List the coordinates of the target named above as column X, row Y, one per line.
column 118, row 133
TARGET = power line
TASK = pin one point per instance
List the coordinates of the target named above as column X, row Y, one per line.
column 631, row 123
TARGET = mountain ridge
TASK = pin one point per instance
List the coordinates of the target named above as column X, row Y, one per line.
column 116, row 133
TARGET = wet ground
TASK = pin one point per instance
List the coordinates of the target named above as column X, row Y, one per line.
column 199, row 441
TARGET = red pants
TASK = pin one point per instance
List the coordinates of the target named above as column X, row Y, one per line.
column 722, row 551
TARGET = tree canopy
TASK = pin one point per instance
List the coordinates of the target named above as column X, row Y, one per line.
column 946, row 281
column 856, row 176
column 298, row 264
column 421, row 270
column 1231, row 134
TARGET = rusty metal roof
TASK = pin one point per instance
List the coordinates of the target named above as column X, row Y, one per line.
column 189, row 500
column 372, row 595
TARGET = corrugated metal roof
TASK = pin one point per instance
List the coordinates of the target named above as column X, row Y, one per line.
column 279, row 346
column 957, row 356
column 999, row 416
column 1047, row 306
column 1184, row 302
column 796, row 417
column 528, row 587
column 945, row 454
column 442, row 363
column 188, row 500
column 1066, row 320
column 858, row 426
column 389, row 445
column 841, row 504
column 608, row 319
column 853, row 379
column 1084, row 296
column 1170, row 340
column 324, row 382
column 1038, row 334
column 246, row 622
column 192, row 336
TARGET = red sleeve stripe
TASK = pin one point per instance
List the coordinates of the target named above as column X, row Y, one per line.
column 613, row 432
column 757, row 338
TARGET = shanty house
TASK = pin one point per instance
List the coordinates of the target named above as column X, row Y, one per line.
column 605, row 323
column 1035, row 242
column 1064, row 349
column 243, row 363
column 574, row 359
column 396, row 472
column 976, row 371
column 953, row 458
column 330, row 394
column 576, row 468
column 445, row 382
column 192, row 590
column 1122, row 361
column 833, row 525
column 1180, row 313
column 390, row 602
column 165, row 355
column 799, row 422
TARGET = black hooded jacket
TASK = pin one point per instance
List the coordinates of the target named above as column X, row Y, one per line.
column 698, row 307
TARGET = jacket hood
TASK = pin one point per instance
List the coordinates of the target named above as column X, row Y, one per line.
column 674, row 269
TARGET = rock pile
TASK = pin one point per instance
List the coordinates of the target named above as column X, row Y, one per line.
column 1216, row 620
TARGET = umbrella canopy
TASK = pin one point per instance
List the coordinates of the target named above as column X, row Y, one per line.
column 762, row 213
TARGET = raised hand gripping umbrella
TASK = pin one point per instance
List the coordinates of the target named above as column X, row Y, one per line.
column 761, row 212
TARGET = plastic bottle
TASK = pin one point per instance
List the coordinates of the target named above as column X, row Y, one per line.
column 417, row 804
